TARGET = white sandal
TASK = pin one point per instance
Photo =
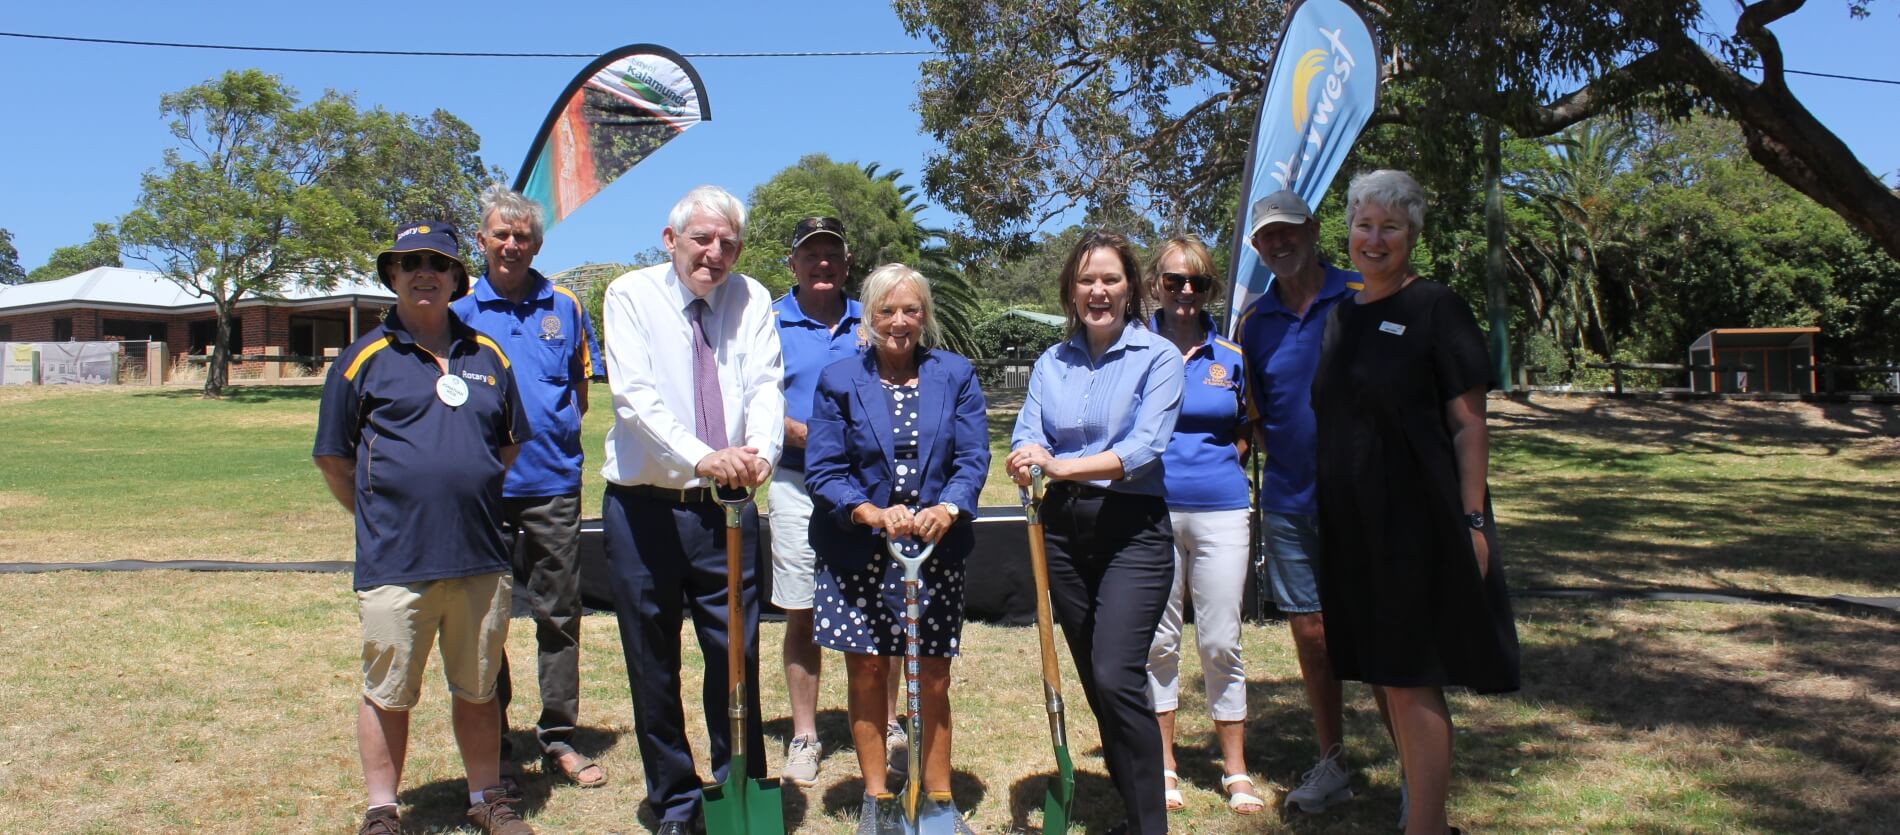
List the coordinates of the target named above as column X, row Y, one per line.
column 1237, row 800
column 1172, row 794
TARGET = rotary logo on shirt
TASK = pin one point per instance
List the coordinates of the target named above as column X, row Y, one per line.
column 550, row 327
column 1217, row 376
column 480, row 378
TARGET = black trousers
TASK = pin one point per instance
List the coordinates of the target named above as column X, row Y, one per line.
column 666, row 559
column 1111, row 565
column 547, row 554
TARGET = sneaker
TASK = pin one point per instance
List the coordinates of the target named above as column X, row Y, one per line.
column 1323, row 786
column 880, row 815
column 897, row 750
column 801, row 761
column 381, row 820
column 495, row 815
column 946, row 808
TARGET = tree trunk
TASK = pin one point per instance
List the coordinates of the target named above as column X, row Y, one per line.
column 217, row 371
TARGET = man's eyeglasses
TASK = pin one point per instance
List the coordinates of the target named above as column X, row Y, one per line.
column 1176, row 282
column 438, row 262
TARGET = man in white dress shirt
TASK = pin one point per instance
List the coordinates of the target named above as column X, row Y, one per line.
column 693, row 361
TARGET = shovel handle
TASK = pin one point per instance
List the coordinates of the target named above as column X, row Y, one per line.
column 1039, row 567
column 734, row 502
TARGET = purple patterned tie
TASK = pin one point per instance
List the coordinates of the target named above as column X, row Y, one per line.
column 709, row 419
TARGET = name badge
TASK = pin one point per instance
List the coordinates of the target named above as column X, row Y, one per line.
column 1393, row 328
column 451, row 390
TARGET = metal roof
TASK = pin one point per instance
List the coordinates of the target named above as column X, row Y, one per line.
column 122, row 288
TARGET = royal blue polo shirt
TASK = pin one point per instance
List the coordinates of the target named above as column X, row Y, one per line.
column 428, row 474
column 1282, row 351
column 809, row 345
column 1201, row 466
column 550, row 340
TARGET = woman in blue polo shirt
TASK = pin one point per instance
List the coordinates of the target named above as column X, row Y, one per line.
column 1206, row 493
column 1100, row 409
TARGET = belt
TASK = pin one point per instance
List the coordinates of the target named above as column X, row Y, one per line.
column 1079, row 490
column 675, row 495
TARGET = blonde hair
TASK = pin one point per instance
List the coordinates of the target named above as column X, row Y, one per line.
column 879, row 285
column 1200, row 263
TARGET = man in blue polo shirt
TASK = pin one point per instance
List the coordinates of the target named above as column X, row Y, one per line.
column 1280, row 333
column 817, row 326
column 418, row 424
column 546, row 332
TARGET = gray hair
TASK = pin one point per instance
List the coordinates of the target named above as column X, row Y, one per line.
column 712, row 200
column 879, row 285
column 1392, row 189
column 513, row 207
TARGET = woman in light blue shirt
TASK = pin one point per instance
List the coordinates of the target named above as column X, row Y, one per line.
column 1101, row 408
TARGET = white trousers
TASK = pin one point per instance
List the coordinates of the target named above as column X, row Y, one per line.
column 1210, row 559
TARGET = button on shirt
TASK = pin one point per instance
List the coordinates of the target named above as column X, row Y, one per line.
column 809, row 346
column 1201, row 467
column 649, row 350
column 550, row 341
column 1282, row 351
column 1125, row 403
column 428, row 475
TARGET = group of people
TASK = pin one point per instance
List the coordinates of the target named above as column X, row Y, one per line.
column 452, row 433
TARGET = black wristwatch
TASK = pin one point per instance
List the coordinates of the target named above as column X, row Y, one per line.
column 1475, row 519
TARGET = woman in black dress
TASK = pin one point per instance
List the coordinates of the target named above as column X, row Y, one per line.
column 1410, row 580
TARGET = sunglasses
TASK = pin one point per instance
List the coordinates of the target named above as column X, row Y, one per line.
column 1176, row 282
column 438, row 262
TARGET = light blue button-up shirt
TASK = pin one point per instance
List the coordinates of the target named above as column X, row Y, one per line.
column 1126, row 403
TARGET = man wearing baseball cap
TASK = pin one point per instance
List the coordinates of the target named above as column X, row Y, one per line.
column 817, row 326
column 418, row 424
column 1280, row 334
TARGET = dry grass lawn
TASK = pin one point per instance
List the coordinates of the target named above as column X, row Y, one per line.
column 160, row 703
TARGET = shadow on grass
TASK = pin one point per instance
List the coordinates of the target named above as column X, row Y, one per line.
column 1096, row 807
column 244, row 394
column 443, row 804
column 846, row 799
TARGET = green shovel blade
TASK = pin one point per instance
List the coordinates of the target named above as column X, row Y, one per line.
column 743, row 806
column 1061, row 794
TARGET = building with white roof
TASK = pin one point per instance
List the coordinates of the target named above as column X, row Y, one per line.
column 121, row 303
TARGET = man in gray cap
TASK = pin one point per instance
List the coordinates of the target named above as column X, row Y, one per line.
column 1280, row 333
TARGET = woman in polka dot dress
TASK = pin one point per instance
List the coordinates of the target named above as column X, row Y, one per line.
column 898, row 446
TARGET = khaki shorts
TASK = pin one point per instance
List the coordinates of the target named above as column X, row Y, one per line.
column 470, row 614
column 794, row 563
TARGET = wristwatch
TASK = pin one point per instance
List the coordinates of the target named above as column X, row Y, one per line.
column 955, row 512
column 1475, row 519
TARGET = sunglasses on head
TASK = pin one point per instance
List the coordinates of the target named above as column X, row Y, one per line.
column 1176, row 282
column 438, row 262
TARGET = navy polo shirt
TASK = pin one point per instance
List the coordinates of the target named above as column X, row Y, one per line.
column 1201, row 467
column 809, row 345
column 1282, row 351
column 550, row 341
column 428, row 475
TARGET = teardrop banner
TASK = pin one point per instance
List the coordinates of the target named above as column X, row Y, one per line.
column 1322, row 86
column 615, row 113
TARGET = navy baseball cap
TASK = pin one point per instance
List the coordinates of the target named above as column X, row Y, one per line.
column 817, row 226
column 425, row 236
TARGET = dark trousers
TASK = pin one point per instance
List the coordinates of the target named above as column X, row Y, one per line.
column 666, row 559
column 1111, row 566
column 546, row 532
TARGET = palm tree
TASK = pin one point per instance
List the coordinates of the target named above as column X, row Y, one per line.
column 1565, row 268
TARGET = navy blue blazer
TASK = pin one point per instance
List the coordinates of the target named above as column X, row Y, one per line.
column 849, row 451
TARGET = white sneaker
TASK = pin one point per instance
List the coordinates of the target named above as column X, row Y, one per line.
column 801, row 761
column 897, row 750
column 1326, row 784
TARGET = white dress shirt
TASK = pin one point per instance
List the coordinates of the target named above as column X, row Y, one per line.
column 648, row 334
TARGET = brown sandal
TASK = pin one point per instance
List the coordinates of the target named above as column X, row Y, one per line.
column 552, row 765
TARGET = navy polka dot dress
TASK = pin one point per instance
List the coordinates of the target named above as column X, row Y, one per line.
column 863, row 611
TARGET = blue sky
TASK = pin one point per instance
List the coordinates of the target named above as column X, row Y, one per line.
column 83, row 119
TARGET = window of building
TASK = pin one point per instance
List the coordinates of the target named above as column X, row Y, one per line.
column 63, row 329
column 204, row 331
column 6, row 332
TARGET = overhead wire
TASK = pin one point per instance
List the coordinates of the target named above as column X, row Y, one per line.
column 410, row 53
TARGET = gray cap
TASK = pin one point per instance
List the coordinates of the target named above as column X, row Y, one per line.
column 1283, row 206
